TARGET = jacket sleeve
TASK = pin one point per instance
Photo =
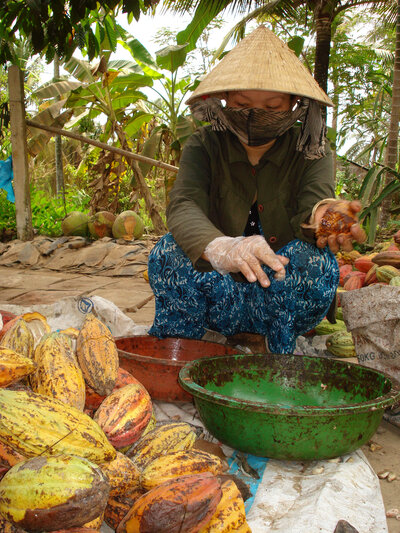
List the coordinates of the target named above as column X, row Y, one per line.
column 316, row 184
column 188, row 208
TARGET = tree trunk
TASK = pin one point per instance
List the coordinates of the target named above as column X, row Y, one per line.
column 144, row 190
column 323, row 28
column 58, row 144
column 391, row 153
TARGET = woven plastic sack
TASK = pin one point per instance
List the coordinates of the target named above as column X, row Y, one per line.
column 372, row 314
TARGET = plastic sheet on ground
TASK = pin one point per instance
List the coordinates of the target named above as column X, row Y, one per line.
column 289, row 496
column 70, row 313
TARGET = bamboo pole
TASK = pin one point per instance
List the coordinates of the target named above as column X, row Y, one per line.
column 104, row 146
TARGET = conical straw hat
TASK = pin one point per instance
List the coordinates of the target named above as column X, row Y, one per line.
column 261, row 61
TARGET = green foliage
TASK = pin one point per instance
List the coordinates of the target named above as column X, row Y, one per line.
column 47, row 211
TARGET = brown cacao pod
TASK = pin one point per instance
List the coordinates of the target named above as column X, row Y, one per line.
column 118, row 507
column 19, row 338
column 387, row 258
column 97, row 355
column 181, row 463
column 122, row 474
column 124, row 414
column 93, row 400
column 58, row 374
column 182, row 504
column 33, row 424
column 49, row 493
column 13, row 366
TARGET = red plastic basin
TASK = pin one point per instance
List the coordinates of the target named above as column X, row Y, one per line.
column 156, row 362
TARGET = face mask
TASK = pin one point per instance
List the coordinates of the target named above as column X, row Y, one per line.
column 256, row 127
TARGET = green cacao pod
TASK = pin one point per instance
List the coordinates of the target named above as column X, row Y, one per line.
column 395, row 282
column 50, row 493
column 326, row 328
column 386, row 272
column 341, row 344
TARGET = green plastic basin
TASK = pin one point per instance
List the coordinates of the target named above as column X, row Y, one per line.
column 288, row 406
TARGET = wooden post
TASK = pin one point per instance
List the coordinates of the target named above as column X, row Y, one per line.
column 19, row 154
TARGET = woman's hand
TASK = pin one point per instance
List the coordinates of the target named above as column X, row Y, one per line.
column 246, row 255
column 337, row 226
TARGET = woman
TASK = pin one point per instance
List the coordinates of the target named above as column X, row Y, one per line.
column 246, row 252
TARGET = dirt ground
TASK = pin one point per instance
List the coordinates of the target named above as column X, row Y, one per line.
column 383, row 454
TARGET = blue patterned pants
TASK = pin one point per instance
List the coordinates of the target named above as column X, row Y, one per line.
column 188, row 301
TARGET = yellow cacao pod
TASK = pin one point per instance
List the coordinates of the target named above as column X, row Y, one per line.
column 97, row 355
column 19, row 338
column 386, row 272
column 181, row 463
column 341, row 344
column 122, row 473
column 49, row 493
column 230, row 514
column 58, row 374
column 163, row 439
column 13, row 366
column 33, row 424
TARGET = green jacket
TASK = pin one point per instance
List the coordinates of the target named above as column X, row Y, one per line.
column 216, row 186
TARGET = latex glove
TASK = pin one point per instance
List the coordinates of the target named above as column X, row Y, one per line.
column 335, row 223
column 246, row 255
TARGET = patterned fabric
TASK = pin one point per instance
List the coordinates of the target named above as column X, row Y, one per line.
column 255, row 127
column 188, row 302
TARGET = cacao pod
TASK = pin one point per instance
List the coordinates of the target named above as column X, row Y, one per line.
column 122, row 473
column 364, row 263
column 33, row 424
column 58, row 374
column 19, row 338
column 13, row 366
column 395, row 282
column 341, row 344
column 97, row 355
column 387, row 258
column 49, row 493
column 386, row 272
column 230, row 514
column 168, row 438
column 93, row 400
column 8, row 527
column 177, row 464
column 354, row 282
column 348, row 257
column 8, row 456
column 370, row 276
column 124, row 414
column 326, row 328
column 118, row 507
column 183, row 504
column 343, row 272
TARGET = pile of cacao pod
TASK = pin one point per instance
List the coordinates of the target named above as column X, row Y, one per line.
column 357, row 271
column 79, row 443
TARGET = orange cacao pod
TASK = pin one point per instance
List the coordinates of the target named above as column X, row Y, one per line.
column 343, row 272
column 354, row 274
column 124, row 414
column 353, row 283
column 122, row 473
column 363, row 263
column 118, row 507
column 182, row 504
column 93, row 400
